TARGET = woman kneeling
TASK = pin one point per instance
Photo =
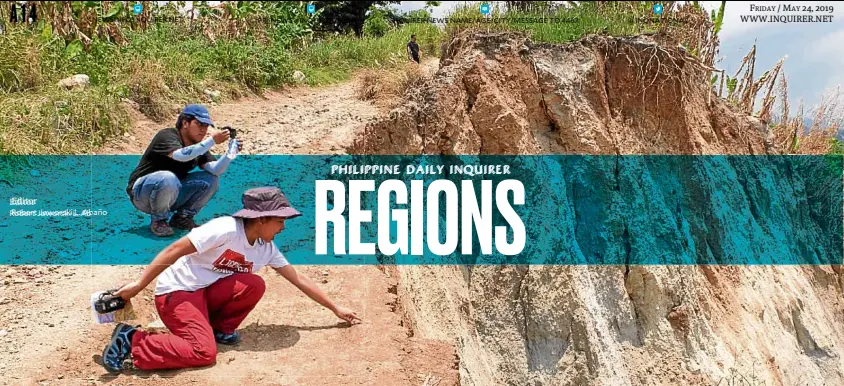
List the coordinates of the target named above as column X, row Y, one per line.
column 207, row 286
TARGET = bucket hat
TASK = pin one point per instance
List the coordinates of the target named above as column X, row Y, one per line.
column 264, row 202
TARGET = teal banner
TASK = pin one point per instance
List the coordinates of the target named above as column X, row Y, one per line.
column 544, row 209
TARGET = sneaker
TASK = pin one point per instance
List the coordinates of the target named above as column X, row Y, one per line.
column 229, row 339
column 119, row 349
column 182, row 222
column 160, row 228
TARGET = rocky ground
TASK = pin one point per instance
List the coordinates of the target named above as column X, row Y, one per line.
column 515, row 325
column 47, row 336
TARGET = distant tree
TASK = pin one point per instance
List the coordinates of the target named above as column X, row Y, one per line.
column 346, row 16
column 418, row 14
column 376, row 24
column 397, row 19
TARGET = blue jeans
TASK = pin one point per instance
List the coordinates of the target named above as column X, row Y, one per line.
column 160, row 193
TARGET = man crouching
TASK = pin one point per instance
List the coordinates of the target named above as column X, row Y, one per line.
column 163, row 183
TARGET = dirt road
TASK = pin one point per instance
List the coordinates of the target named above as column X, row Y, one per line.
column 47, row 336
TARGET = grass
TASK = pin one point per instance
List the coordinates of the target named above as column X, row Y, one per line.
column 169, row 65
column 27, row 63
column 16, row 169
column 562, row 25
column 390, row 84
column 334, row 60
column 632, row 18
column 793, row 136
column 161, row 69
column 58, row 121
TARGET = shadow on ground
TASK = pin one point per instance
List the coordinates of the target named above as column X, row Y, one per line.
column 254, row 338
column 272, row 337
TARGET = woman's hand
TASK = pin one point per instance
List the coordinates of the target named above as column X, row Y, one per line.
column 129, row 291
column 347, row 315
column 307, row 286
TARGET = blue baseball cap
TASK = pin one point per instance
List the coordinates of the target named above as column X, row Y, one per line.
column 199, row 112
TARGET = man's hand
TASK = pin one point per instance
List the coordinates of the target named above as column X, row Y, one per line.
column 220, row 136
column 347, row 315
column 129, row 291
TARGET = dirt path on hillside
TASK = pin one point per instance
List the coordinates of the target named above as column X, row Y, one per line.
column 296, row 121
column 47, row 336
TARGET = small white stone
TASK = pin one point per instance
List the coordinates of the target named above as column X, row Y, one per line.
column 298, row 76
column 78, row 80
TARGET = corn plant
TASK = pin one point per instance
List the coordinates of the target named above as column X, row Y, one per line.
column 80, row 23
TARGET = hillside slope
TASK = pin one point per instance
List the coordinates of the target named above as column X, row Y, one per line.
column 499, row 93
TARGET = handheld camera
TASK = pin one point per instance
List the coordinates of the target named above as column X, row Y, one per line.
column 108, row 302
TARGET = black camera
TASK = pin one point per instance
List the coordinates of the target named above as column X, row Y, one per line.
column 108, row 302
column 232, row 132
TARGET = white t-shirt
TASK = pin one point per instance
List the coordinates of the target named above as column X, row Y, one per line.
column 221, row 250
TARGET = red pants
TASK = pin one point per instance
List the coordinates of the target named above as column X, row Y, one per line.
column 192, row 318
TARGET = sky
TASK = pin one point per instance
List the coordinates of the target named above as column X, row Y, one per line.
column 815, row 52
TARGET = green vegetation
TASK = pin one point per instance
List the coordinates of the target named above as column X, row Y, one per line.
column 239, row 48
column 333, row 60
column 718, row 18
column 376, row 24
column 234, row 49
column 164, row 66
column 352, row 16
column 836, row 147
column 561, row 24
